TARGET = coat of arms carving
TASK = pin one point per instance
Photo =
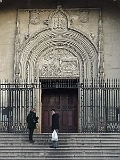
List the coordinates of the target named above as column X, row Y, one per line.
column 34, row 17
column 84, row 18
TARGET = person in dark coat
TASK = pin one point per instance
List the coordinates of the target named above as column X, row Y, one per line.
column 55, row 120
column 55, row 126
column 32, row 120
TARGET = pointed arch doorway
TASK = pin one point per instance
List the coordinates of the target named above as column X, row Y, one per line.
column 64, row 99
column 58, row 51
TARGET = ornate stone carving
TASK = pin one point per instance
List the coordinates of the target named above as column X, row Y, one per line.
column 59, row 63
column 84, row 18
column 34, row 17
column 58, row 51
column 100, row 49
column 58, row 20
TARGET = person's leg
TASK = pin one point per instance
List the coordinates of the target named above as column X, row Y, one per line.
column 30, row 135
column 31, row 130
column 57, row 141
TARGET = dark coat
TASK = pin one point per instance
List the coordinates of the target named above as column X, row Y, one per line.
column 30, row 118
column 55, row 121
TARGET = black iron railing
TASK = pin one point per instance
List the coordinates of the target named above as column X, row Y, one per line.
column 99, row 103
column 15, row 103
column 100, row 106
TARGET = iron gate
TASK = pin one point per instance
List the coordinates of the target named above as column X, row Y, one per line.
column 99, row 104
column 15, row 103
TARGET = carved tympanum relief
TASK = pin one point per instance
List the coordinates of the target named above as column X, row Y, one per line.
column 55, row 45
column 56, row 63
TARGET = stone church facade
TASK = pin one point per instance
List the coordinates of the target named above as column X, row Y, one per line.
column 62, row 40
column 56, row 45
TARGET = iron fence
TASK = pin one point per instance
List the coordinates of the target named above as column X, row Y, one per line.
column 100, row 106
column 15, row 103
column 99, row 103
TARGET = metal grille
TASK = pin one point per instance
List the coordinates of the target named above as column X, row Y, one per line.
column 59, row 83
column 99, row 103
column 15, row 103
column 100, row 106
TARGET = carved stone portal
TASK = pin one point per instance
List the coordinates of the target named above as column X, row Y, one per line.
column 54, row 45
column 58, row 44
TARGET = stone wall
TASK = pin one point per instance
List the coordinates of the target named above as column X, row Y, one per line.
column 111, row 33
column 7, row 37
column 111, row 37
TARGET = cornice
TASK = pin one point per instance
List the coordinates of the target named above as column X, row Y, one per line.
column 26, row 3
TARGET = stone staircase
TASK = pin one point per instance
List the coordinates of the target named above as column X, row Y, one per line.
column 77, row 146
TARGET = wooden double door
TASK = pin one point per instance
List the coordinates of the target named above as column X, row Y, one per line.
column 65, row 101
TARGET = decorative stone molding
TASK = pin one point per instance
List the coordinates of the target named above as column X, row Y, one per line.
column 57, row 51
column 100, row 49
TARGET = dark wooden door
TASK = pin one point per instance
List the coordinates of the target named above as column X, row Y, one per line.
column 65, row 101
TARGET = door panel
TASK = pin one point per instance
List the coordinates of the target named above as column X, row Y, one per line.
column 65, row 101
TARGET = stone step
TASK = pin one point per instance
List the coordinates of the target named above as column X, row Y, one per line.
column 81, row 144
column 70, row 158
column 44, row 142
column 86, row 135
column 61, row 139
column 17, row 140
column 63, row 145
column 61, row 149
column 56, row 153
column 41, row 136
column 73, row 146
column 42, row 157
